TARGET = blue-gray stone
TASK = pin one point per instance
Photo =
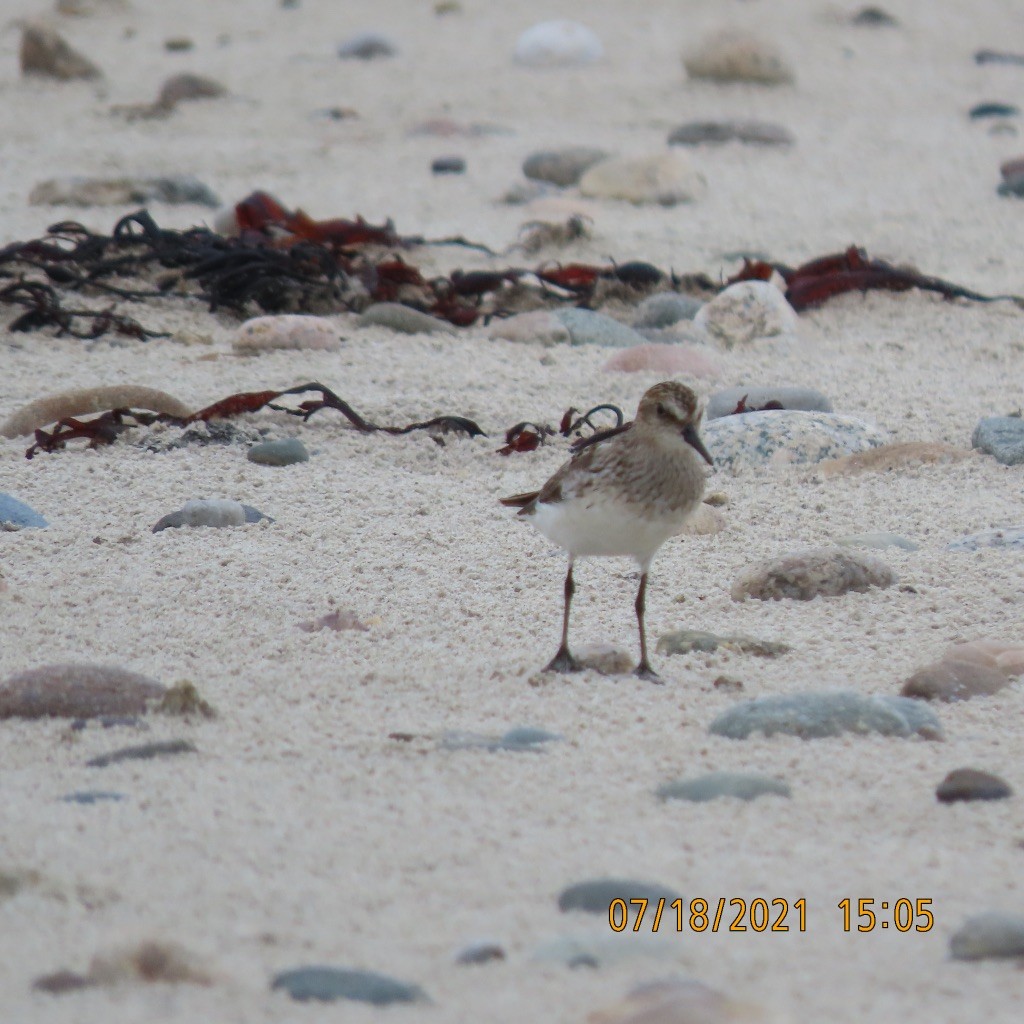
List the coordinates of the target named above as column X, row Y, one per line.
column 993, row 109
column 1010, row 537
column 367, row 46
column 594, row 895
column 818, row 715
column 91, row 796
column 878, row 540
column 480, row 953
column 586, row 327
column 718, row 784
column 723, row 403
column 664, row 309
column 523, row 737
column 403, row 319
column 16, row 515
column 562, row 167
column 285, row 452
column 330, row 983
column 1002, row 437
column 213, row 512
column 143, row 752
column 990, row 935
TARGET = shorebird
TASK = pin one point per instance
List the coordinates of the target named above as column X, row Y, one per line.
column 624, row 492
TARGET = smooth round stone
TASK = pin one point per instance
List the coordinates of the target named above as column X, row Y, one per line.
column 480, row 953
column 92, row 796
column 562, row 167
column 981, row 110
column 594, row 895
column 328, row 984
column 951, row 680
column 668, row 359
column 284, row 452
column 367, row 46
column 286, row 331
column 589, row 328
column 71, row 690
column 663, row 309
column 785, row 438
column 1007, row 656
column 403, row 319
column 820, row 715
column 873, row 17
column 963, row 784
column 723, row 403
column 733, row 55
column 758, row 133
column 990, row 935
column 878, row 540
column 1010, row 537
column 745, row 311
column 538, row 327
column 741, row 785
column 216, row 512
column 1001, row 437
column 662, row 179
column 817, row 572
column 448, row 165
column 16, row 515
column 557, row 44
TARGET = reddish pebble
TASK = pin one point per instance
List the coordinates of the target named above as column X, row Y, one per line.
column 669, row 359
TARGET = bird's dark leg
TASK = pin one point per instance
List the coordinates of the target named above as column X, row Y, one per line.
column 563, row 661
column 644, row 670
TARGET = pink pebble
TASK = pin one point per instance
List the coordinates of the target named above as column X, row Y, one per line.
column 671, row 359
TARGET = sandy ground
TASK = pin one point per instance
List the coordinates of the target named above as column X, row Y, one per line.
column 300, row 833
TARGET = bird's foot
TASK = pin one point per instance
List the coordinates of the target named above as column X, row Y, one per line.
column 563, row 661
column 644, row 671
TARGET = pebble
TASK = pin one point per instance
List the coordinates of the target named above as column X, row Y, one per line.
column 562, row 167
column 785, row 438
column 686, row 641
column 284, row 452
column 664, row 179
column 758, row 133
column 663, row 309
column 745, row 311
column 993, row 110
column 873, row 17
column 149, row 961
column 672, row 360
column 1009, row 537
column 586, row 327
column 480, row 953
column 998, row 57
column 60, row 982
column 679, row 1001
column 733, row 55
column 963, row 784
column 70, row 690
column 878, row 540
column 92, row 796
column 44, row 52
column 143, row 752
column 367, row 46
column 538, row 326
column 448, row 165
column 742, row 785
column 86, row 401
column 327, row 984
column 819, row 715
column 215, row 512
column 888, row 458
column 987, row 936
column 286, row 331
column 788, row 396
column 1007, row 656
column 174, row 189
column 187, row 86
column 16, row 515
column 1012, row 185
column 403, row 319
column 952, row 680
column 521, row 738
column 557, row 44
column 816, row 572
column 1001, row 437
column 594, row 895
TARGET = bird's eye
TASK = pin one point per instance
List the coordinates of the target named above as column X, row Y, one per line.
column 662, row 411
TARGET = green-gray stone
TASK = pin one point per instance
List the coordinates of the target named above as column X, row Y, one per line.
column 718, row 784
column 284, row 452
column 327, row 984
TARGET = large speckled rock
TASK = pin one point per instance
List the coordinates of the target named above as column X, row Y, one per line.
column 70, row 690
column 562, row 167
column 991, row 935
column 1001, row 437
column 741, row 785
column 786, row 437
column 950, row 680
column 664, row 179
column 756, row 397
column 817, row 572
column 288, row 331
column 733, row 55
column 819, row 715
column 745, row 311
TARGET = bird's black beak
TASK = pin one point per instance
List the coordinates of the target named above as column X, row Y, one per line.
column 691, row 437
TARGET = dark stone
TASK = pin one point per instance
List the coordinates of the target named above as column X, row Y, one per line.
column 367, row 46
column 758, row 133
column 91, row 796
column 1001, row 436
column 60, row 982
column 997, row 57
column 480, row 953
column 594, row 895
column 990, row 935
column 77, row 691
column 994, row 109
column 971, row 784
column 330, row 983
column 873, row 17
column 143, row 752
column 448, row 165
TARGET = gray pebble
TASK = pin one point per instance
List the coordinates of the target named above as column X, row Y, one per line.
column 877, row 540
column 523, row 737
column 175, row 189
column 562, row 167
column 143, row 752
column 818, row 572
column 971, row 784
column 448, row 165
column 403, row 319
column 993, row 109
column 818, row 715
column 1002, row 437
column 480, row 953
column 588, row 328
column 1010, row 537
column 663, row 309
column 759, row 133
column 993, row 934
column 214, row 512
column 718, row 784
column 16, row 515
column 327, row 984
column 285, row 452
column 367, row 46
column 951, row 680
column 594, row 895
column 91, row 796
column 874, row 17
column 724, row 403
